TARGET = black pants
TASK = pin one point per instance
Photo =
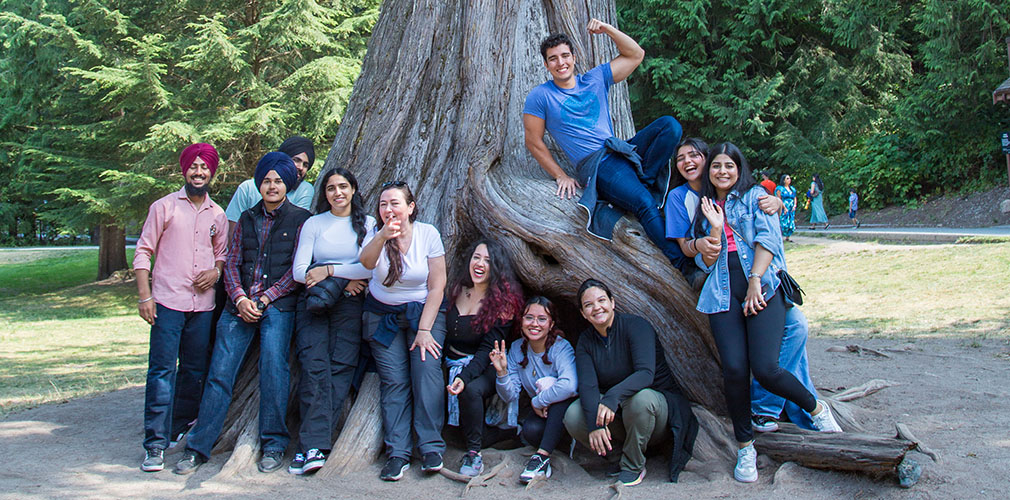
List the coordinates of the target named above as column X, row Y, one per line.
column 751, row 344
column 546, row 433
column 328, row 345
column 471, row 408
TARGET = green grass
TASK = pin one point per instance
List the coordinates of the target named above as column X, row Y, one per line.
column 68, row 342
column 904, row 291
column 42, row 271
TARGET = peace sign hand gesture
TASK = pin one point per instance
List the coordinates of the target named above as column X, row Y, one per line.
column 498, row 358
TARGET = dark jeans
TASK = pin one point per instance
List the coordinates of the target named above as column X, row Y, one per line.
column 233, row 338
column 618, row 183
column 172, row 396
column 546, row 433
column 328, row 345
column 752, row 343
column 471, row 408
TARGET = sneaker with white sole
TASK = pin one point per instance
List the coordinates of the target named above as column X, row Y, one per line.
column 764, row 423
column 154, row 460
column 314, row 460
column 431, row 462
column 825, row 421
column 297, row 466
column 538, row 465
column 746, row 470
column 473, row 464
column 394, row 469
column 270, row 461
column 630, row 477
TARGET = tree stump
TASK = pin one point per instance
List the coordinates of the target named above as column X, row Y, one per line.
column 439, row 105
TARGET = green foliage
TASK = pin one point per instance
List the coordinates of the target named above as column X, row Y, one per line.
column 97, row 98
column 893, row 98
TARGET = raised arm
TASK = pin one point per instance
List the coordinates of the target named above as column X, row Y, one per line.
column 630, row 53
column 534, row 128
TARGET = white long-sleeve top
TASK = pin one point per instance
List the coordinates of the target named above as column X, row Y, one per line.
column 328, row 239
column 562, row 368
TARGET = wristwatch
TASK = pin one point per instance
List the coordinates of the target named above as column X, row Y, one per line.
column 260, row 306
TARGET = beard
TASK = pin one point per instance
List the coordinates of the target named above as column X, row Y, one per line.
column 192, row 190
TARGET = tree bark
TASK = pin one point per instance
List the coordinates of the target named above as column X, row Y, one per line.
column 111, row 250
column 439, row 105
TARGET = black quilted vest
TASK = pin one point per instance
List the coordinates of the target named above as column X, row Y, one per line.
column 278, row 250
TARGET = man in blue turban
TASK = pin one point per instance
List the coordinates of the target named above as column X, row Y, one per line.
column 261, row 303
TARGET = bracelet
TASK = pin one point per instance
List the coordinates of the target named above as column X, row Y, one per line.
column 145, row 300
column 218, row 274
column 239, row 301
column 424, row 330
column 753, row 275
column 694, row 244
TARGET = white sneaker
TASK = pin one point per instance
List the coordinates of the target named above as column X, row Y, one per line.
column 746, row 470
column 825, row 421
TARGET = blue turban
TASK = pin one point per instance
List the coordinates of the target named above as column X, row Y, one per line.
column 282, row 164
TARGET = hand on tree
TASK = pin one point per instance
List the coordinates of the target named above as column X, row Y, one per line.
column 566, row 187
column 427, row 343
column 499, row 359
column 599, row 441
column 148, row 310
column 456, row 386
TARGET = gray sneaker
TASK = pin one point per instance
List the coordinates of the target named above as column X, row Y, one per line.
column 825, row 421
column 189, row 463
column 538, row 465
column 271, row 461
column 473, row 464
column 154, row 460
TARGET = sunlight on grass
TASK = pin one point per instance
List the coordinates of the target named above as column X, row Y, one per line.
column 870, row 289
column 41, row 271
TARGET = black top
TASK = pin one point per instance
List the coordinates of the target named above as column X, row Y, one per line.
column 614, row 368
column 461, row 339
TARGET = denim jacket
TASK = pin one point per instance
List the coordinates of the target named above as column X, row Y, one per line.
column 750, row 226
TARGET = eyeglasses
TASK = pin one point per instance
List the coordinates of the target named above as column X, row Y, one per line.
column 540, row 320
column 398, row 184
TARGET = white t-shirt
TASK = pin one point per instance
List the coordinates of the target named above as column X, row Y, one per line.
column 328, row 239
column 412, row 286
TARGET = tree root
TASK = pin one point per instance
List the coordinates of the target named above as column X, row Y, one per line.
column 905, row 433
column 863, row 390
column 480, row 480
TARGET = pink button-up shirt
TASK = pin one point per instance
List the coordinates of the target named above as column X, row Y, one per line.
column 187, row 240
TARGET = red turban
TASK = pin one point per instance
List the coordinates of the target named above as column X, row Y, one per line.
column 205, row 151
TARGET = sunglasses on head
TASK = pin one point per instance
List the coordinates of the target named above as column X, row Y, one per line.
column 393, row 184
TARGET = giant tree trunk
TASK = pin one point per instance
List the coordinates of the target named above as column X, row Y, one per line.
column 439, row 105
column 111, row 250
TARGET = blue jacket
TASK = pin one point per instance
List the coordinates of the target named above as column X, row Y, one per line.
column 750, row 226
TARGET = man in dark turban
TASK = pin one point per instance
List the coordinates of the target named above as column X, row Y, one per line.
column 303, row 155
column 185, row 232
column 261, row 304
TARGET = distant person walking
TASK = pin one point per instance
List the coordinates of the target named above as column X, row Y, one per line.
column 816, row 193
column 787, row 193
column 853, row 206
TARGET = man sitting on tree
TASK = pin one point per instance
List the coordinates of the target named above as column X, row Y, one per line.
column 261, row 293
column 185, row 232
column 632, row 176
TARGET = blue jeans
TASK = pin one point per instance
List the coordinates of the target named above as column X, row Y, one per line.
column 233, row 338
column 618, row 183
column 172, row 396
column 793, row 359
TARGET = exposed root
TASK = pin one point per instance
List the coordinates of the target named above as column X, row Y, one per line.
column 905, row 433
column 864, row 390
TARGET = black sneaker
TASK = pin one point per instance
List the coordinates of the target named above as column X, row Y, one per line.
column 764, row 423
column 297, row 465
column 271, row 461
column 538, row 465
column 630, row 477
column 154, row 460
column 189, row 463
column 314, row 461
column 394, row 469
column 431, row 462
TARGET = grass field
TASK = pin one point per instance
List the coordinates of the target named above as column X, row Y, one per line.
column 65, row 337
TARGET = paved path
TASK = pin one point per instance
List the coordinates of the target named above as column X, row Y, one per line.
column 921, row 234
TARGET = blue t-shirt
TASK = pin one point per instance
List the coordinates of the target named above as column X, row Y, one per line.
column 681, row 204
column 579, row 118
column 853, row 201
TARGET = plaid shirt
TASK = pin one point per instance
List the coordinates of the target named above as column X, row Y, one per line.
column 232, row 277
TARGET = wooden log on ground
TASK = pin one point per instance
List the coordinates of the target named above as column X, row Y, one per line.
column 864, row 453
column 360, row 442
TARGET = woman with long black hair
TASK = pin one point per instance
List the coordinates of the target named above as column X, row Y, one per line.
column 483, row 300
column 328, row 336
column 404, row 329
column 742, row 298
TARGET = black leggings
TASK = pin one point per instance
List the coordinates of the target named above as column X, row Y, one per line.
column 471, row 408
column 752, row 343
column 546, row 433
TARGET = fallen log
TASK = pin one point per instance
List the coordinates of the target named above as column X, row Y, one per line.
column 873, row 455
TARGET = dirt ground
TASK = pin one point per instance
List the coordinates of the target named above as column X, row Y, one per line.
column 952, row 395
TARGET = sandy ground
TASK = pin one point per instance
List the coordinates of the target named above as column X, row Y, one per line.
column 953, row 395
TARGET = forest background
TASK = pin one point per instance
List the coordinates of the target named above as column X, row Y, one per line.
column 97, row 97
